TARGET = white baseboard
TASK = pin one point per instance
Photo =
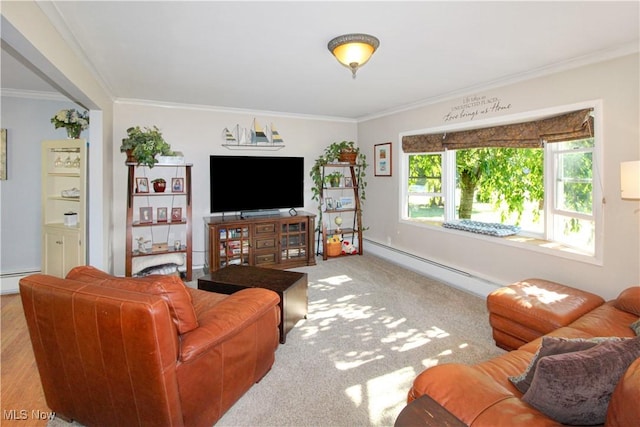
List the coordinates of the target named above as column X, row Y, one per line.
column 9, row 283
column 451, row 276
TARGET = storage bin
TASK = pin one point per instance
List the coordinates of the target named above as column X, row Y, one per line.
column 333, row 248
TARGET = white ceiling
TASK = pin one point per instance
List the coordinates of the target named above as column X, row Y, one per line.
column 272, row 56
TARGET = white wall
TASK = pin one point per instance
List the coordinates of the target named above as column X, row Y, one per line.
column 28, row 123
column 614, row 82
column 196, row 132
column 28, row 31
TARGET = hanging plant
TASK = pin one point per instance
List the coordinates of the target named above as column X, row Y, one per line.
column 332, row 154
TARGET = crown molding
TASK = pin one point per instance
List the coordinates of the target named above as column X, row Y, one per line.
column 592, row 58
column 33, row 94
column 231, row 110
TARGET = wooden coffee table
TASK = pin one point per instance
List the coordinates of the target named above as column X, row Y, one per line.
column 291, row 286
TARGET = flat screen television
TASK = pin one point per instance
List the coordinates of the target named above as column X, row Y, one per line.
column 255, row 183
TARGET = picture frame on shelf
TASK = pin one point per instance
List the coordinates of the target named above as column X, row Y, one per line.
column 346, row 202
column 348, row 182
column 329, row 203
column 162, row 215
column 382, row 159
column 146, row 215
column 176, row 214
column 142, row 185
column 177, row 185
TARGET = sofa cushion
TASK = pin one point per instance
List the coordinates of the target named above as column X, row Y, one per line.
column 629, row 300
column 550, row 346
column 575, row 388
column 170, row 288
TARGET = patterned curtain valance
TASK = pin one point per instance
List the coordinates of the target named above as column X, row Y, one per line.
column 565, row 127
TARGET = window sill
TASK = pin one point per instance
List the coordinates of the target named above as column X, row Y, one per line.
column 520, row 241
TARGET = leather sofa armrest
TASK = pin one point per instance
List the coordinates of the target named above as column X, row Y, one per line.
column 463, row 390
column 623, row 408
column 227, row 318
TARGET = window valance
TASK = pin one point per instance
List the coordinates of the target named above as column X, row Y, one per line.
column 564, row 127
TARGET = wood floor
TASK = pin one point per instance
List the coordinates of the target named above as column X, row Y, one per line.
column 21, row 396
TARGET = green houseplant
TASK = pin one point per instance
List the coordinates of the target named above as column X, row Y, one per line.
column 142, row 145
column 332, row 154
column 333, row 179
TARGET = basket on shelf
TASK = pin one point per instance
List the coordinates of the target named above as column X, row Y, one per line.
column 348, row 156
column 333, row 248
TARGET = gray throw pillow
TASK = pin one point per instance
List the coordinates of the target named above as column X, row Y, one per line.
column 548, row 347
column 575, row 388
column 636, row 327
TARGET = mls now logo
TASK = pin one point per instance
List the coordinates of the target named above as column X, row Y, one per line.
column 23, row 414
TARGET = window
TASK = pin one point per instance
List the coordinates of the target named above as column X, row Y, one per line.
column 424, row 188
column 548, row 191
column 571, row 213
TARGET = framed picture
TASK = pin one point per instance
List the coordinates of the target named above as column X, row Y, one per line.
column 146, row 215
column 3, row 154
column 142, row 185
column 162, row 215
column 177, row 185
column 382, row 159
column 346, row 202
column 348, row 182
column 176, row 214
column 329, row 203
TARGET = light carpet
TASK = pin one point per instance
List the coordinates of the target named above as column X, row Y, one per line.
column 372, row 327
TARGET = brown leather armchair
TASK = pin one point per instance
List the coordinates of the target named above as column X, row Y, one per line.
column 147, row 352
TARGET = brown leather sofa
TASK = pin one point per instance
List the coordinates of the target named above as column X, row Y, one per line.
column 483, row 395
column 148, row 351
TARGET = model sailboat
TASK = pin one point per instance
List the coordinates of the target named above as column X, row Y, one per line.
column 259, row 136
column 275, row 136
column 228, row 137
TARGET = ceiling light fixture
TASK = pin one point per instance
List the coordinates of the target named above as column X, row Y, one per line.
column 353, row 50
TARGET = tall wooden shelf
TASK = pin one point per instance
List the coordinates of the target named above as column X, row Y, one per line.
column 329, row 212
column 160, row 231
column 64, row 191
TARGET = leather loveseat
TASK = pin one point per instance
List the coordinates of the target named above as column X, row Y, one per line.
column 484, row 395
column 146, row 351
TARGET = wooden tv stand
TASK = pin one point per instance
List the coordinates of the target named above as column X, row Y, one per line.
column 274, row 241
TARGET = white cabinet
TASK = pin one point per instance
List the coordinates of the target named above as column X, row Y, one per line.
column 62, row 250
column 64, row 205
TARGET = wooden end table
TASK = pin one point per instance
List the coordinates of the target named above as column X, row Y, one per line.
column 291, row 286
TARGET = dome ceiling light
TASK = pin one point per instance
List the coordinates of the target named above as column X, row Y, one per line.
column 353, row 50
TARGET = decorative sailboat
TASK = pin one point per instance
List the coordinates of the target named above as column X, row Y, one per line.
column 275, row 136
column 259, row 136
column 228, row 137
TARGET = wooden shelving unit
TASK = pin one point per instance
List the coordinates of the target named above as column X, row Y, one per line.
column 352, row 232
column 160, row 230
column 64, row 178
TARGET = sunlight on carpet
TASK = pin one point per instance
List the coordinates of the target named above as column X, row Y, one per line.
column 371, row 328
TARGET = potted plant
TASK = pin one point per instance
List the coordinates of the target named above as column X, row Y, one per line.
column 73, row 121
column 333, row 179
column 159, row 185
column 332, row 154
column 143, row 145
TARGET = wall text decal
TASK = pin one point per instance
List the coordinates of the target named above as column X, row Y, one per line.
column 473, row 106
